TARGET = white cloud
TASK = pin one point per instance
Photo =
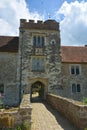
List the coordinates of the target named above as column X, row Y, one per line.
column 11, row 11
column 73, row 23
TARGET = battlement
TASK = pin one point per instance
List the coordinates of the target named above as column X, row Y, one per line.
column 39, row 25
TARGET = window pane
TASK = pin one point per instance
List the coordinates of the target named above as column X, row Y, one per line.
column 38, row 64
column 34, row 41
column 78, row 88
column 73, row 88
column 42, row 64
column 33, row 64
column 77, row 70
column 72, row 70
column 2, row 88
column 42, row 41
column 38, row 43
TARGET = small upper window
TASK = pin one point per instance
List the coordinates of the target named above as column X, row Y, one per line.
column 72, row 70
column 75, row 69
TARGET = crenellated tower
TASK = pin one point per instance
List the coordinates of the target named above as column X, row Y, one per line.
column 39, row 56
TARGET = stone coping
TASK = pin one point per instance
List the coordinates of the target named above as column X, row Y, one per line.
column 75, row 102
column 25, row 103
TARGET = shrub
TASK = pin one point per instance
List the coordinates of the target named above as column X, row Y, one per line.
column 24, row 126
column 85, row 100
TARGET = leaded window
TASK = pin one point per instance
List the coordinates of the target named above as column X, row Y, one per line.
column 75, row 70
column 38, row 64
column 38, row 41
column 34, row 41
column 76, row 88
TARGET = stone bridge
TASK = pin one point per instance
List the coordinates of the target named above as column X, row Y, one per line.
column 74, row 111
column 44, row 117
column 56, row 113
column 59, row 113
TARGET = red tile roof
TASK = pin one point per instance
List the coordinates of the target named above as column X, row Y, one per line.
column 74, row 54
column 9, row 44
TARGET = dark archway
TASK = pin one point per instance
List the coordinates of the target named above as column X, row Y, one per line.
column 37, row 92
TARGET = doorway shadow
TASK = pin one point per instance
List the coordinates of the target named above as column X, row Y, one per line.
column 36, row 98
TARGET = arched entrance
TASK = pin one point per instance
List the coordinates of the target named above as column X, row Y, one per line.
column 37, row 91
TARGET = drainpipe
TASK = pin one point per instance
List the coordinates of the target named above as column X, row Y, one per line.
column 21, row 54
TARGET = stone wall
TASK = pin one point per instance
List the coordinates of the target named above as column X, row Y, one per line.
column 68, row 79
column 76, row 112
column 20, row 114
column 8, row 76
column 25, row 108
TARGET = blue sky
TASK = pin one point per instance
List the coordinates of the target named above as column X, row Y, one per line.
column 71, row 14
column 46, row 7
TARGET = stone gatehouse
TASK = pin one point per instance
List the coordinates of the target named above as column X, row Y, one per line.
column 36, row 58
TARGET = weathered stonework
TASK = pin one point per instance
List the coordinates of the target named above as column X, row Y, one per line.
column 68, row 79
column 73, row 110
column 51, row 53
column 19, row 115
column 16, row 59
column 8, row 76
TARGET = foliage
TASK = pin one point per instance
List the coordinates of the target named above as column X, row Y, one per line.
column 85, row 129
column 24, row 126
column 85, row 100
column 1, row 107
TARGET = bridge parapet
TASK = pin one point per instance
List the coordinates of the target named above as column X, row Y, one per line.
column 25, row 108
column 73, row 110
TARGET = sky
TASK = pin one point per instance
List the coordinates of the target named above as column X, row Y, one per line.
column 71, row 14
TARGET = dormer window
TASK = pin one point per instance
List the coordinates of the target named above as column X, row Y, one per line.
column 38, row 41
